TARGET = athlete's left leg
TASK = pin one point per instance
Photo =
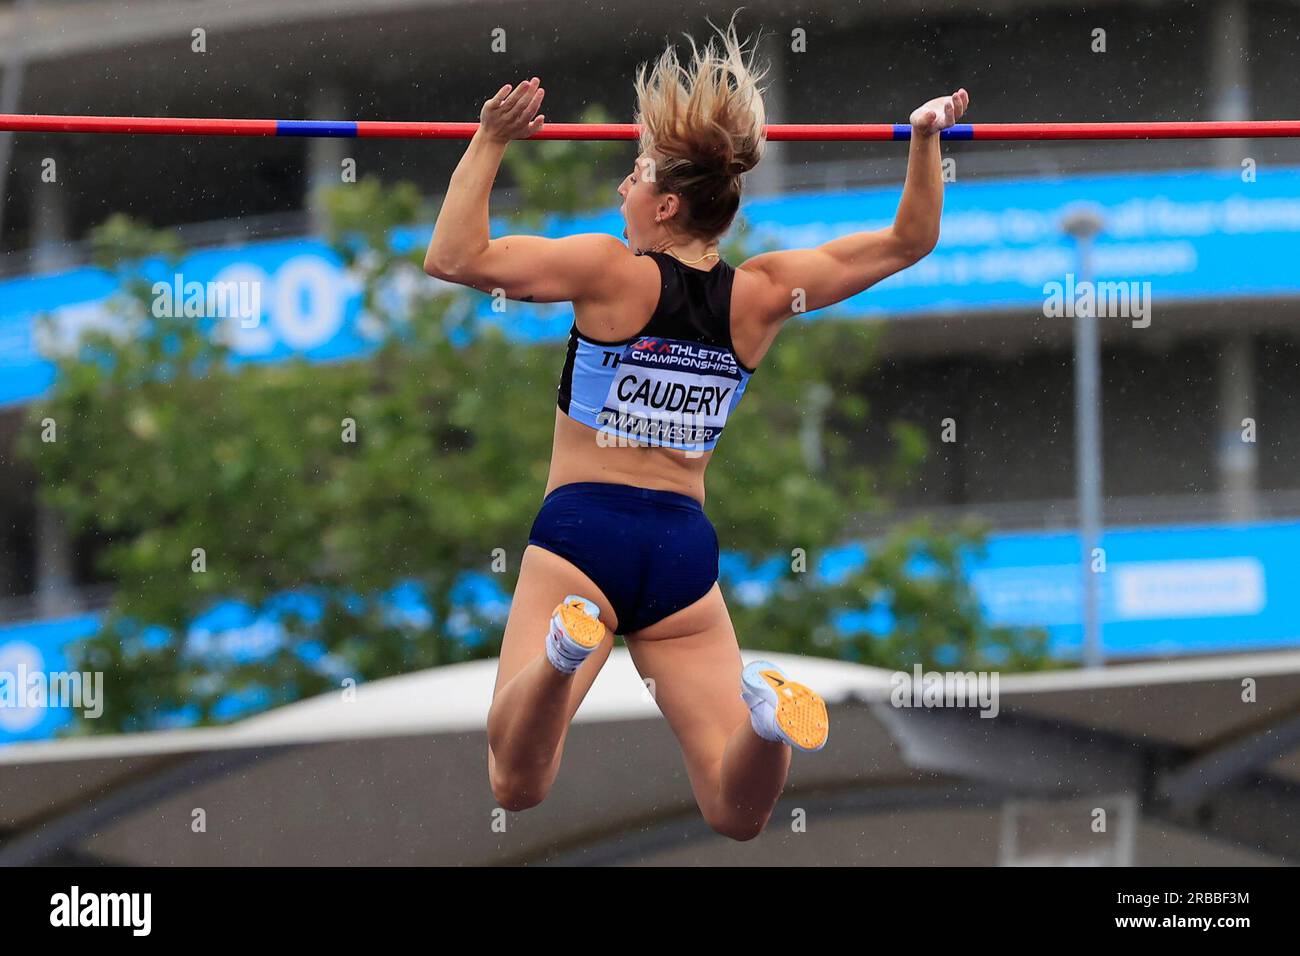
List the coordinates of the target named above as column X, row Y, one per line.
column 694, row 660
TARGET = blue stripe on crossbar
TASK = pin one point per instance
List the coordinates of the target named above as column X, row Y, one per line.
column 315, row 128
column 959, row 131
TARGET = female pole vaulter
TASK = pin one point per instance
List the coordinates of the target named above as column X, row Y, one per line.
column 665, row 337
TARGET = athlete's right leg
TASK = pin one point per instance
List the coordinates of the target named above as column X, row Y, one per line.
column 534, row 702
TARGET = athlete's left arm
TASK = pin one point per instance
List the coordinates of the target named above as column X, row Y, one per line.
column 573, row 268
column 590, row 267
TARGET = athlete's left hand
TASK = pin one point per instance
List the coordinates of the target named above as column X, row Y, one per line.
column 512, row 113
column 940, row 113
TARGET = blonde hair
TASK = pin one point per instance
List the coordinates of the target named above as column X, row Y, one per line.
column 702, row 123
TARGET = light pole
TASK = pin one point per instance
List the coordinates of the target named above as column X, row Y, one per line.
column 1083, row 223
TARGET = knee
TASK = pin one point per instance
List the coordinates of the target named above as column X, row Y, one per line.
column 516, row 792
column 738, row 827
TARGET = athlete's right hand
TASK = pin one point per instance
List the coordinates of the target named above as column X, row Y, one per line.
column 512, row 113
column 940, row 113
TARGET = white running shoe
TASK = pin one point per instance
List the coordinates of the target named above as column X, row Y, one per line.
column 575, row 632
column 782, row 710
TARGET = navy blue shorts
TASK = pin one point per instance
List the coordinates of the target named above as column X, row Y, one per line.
column 650, row 552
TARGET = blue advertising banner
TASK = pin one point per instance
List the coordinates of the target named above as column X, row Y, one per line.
column 1190, row 234
column 1164, row 591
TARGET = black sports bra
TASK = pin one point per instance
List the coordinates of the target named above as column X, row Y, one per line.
column 675, row 382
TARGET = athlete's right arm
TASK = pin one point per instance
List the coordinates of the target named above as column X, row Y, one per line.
column 803, row 280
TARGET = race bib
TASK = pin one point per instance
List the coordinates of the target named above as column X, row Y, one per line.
column 670, row 392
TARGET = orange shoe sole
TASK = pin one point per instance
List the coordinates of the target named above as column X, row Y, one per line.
column 583, row 629
column 800, row 712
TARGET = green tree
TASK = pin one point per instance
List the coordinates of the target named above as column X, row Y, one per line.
column 314, row 490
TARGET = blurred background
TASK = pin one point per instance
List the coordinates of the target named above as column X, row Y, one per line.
column 286, row 538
